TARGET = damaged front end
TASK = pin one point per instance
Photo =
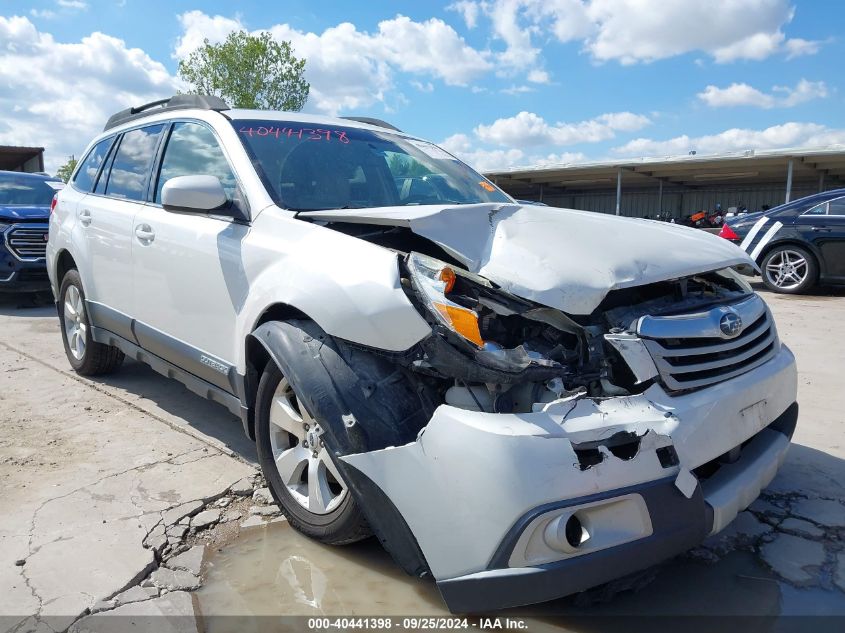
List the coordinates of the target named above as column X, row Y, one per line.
column 519, row 453
column 571, row 450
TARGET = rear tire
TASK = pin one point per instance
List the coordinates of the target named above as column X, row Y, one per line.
column 789, row 269
column 286, row 447
column 87, row 357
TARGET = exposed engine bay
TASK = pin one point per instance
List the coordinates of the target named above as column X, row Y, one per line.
column 493, row 351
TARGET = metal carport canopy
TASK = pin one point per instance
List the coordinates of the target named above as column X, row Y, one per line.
column 825, row 165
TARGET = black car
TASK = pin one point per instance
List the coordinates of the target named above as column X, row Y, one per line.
column 24, row 213
column 796, row 245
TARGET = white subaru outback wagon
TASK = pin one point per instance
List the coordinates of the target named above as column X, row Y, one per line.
column 517, row 400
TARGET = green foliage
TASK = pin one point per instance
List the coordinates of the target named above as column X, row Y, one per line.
column 248, row 72
column 404, row 166
column 66, row 170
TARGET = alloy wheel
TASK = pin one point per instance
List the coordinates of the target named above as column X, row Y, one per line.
column 300, row 456
column 787, row 269
column 76, row 326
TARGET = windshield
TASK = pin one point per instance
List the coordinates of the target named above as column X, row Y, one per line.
column 24, row 190
column 308, row 168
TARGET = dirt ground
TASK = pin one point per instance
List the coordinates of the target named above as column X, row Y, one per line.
column 105, row 483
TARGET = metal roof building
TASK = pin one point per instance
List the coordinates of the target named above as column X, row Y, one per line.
column 29, row 159
column 681, row 185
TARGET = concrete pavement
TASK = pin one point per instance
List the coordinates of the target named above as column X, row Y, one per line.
column 99, row 479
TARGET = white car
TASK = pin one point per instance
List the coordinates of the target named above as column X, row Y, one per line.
column 518, row 401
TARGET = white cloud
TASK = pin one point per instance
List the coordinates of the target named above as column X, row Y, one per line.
column 481, row 159
column 635, row 31
column 791, row 134
column 422, row 87
column 198, row 26
column 72, row 4
column 797, row 47
column 468, row 9
column 529, row 129
column 42, row 13
column 755, row 47
column 741, row 94
column 495, row 159
column 68, row 90
column 515, row 90
column 538, row 76
column 566, row 158
column 348, row 68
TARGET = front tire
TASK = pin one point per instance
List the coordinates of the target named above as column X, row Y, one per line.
column 86, row 356
column 299, row 470
column 789, row 269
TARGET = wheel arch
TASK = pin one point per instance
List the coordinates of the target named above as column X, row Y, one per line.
column 256, row 357
column 64, row 263
column 363, row 402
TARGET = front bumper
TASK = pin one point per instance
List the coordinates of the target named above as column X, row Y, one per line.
column 479, row 491
column 21, row 275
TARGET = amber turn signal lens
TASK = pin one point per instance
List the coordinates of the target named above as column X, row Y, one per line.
column 448, row 276
column 464, row 322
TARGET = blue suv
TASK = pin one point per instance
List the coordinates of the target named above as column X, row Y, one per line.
column 25, row 201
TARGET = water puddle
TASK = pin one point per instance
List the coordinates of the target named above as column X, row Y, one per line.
column 273, row 570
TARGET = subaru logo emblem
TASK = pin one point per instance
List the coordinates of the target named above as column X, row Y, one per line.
column 730, row 324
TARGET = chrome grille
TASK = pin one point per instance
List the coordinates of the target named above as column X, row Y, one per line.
column 27, row 242
column 690, row 351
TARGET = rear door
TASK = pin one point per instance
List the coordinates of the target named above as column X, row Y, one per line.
column 105, row 216
column 824, row 227
column 188, row 277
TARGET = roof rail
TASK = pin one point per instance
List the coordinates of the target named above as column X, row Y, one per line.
column 176, row 102
column 371, row 121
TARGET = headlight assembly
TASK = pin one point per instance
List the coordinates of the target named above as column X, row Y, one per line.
column 505, row 336
column 434, row 280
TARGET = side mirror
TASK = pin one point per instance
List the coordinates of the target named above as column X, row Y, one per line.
column 194, row 194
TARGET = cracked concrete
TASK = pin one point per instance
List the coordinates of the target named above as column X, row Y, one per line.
column 92, row 470
column 88, row 471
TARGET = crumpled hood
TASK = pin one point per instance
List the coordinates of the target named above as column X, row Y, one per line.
column 18, row 213
column 562, row 258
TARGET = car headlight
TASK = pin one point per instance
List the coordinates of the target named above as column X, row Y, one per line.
column 434, row 280
column 506, row 338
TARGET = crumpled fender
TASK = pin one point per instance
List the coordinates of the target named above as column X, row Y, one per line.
column 363, row 402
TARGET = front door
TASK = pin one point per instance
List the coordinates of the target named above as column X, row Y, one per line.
column 188, row 278
column 824, row 227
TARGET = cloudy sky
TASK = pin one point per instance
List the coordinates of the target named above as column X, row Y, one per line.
column 499, row 82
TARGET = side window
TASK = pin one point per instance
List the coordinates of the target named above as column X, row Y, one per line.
column 836, row 207
column 86, row 174
column 131, row 165
column 192, row 150
column 819, row 209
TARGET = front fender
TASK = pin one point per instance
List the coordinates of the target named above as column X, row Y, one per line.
column 350, row 287
column 363, row 402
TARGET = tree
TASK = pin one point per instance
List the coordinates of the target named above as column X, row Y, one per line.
column 66, row 170
column 404, row 166
column 248, row 71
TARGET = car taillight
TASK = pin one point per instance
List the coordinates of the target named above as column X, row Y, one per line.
column 54, row 202
column 728, row 233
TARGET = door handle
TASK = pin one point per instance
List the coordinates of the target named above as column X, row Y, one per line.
column 85, row 217
column 821, row 229
column 144, row 233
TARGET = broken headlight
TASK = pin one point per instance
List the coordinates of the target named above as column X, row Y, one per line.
column 436, row 283
column 500, row 330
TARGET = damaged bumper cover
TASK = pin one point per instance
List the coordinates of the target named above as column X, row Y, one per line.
column 512, row 509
